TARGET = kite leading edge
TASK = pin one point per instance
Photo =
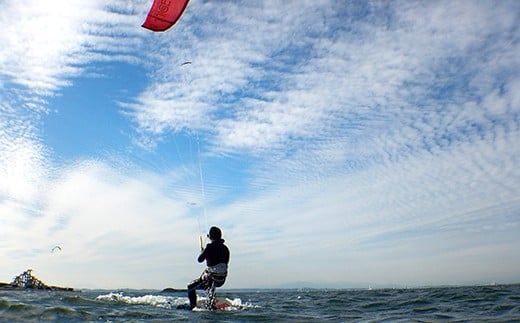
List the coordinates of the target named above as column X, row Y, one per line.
column 164, row 14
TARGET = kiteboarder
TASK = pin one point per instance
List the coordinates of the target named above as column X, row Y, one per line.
column 216, row 254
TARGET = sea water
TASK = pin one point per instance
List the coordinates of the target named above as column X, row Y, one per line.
column 499, row 303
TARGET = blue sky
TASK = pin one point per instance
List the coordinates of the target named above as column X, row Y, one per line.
column 336, row 143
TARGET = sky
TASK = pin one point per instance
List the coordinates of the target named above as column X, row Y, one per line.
column 335, row 143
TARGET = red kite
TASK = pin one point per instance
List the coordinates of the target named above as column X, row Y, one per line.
column 164, row 14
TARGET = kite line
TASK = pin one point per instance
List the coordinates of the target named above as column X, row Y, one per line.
column 203, row 191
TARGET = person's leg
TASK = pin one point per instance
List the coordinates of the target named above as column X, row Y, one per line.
column 211, row 295
column 192, row 291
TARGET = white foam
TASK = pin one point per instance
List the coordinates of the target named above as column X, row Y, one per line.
column 152, row 300
column 168, row 301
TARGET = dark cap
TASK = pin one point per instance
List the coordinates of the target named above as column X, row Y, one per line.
column 215, row 234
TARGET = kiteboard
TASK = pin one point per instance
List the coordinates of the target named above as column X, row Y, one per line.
column 220, row 303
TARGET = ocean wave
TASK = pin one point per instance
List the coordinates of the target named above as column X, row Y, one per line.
column 4, row 304
column 55, row 313
column 498, row 303
column 168, row 302
column 76, row 300
column 28, row 313
column 152, row 300
column 19, row 308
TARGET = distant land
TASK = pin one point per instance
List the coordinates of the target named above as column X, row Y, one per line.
column 365, row 285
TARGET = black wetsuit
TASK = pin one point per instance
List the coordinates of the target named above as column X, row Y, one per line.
column 215, row 253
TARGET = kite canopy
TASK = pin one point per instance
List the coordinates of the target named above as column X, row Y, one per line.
column 164, row 14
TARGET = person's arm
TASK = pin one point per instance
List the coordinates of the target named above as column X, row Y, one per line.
column 202, row 255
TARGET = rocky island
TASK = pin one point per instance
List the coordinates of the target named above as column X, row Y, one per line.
column 27, row 280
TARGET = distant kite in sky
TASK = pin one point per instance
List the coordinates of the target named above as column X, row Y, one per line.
column 164, row 14
column 185, row 63
column 56, row 248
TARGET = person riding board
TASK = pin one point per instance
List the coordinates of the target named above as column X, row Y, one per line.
column 216, row 254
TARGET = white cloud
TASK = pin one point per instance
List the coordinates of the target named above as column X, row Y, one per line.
column 377, row 82
column 379, row 141
column 433, row 207
column 105, row 222
column 50, row 42
column 22, row 156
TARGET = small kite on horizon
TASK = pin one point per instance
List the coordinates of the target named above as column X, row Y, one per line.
column 55, row 248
